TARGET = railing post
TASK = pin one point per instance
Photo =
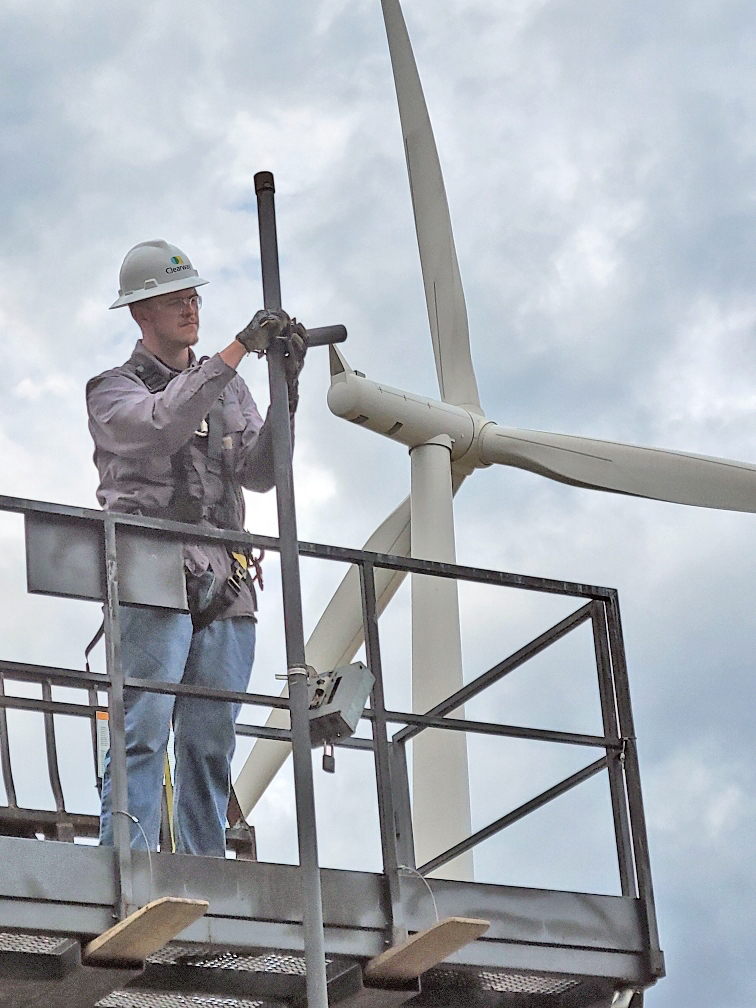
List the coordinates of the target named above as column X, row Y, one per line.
column 405, row 840
column 386, row 811
column 5, row 757
column 632, row 778
column 63, row 831
column 622, row 833
column 119, row 797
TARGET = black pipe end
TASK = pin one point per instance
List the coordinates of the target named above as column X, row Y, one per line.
column 263, row 181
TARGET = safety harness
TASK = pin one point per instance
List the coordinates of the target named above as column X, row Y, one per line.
column 185, row 507
column 225, row 597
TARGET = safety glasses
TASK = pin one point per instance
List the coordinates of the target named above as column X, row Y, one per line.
column 184, row 304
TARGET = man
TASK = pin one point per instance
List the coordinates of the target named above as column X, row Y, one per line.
column 177, row 438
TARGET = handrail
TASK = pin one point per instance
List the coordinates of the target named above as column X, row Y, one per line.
column 318, row 551
column 601, row 609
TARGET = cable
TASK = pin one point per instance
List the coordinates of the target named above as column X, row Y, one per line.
column 147, row 845
column 404, row 867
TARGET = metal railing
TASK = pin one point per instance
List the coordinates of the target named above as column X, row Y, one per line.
column 600, row 608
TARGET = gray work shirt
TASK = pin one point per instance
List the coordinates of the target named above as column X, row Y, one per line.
column 136, row 432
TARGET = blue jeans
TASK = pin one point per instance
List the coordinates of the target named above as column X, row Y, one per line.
column 160, row 645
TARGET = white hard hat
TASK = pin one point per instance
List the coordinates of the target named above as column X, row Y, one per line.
column 152, row 268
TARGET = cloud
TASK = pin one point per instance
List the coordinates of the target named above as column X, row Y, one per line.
column 697, row 799
column 599, row 162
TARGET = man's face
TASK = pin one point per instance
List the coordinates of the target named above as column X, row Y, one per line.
column 173, row 318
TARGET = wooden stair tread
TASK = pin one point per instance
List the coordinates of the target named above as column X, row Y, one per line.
column 425, row 949
column 145, row 931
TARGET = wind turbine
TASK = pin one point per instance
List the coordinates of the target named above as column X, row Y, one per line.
column 448, row 440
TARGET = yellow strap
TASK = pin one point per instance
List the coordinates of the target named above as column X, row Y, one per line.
column 168, row 785
column 241, row 560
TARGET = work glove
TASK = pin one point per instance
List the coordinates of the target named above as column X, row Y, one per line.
column 264, row 327
column 296, row 348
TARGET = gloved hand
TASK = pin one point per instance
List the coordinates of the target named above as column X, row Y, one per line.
column 265, row 326
column 296, row 348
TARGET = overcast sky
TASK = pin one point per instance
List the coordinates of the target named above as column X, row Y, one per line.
column 600, row 159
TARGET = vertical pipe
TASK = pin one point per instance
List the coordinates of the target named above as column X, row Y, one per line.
column 405, row 840
column 622, row 833
column 632, row 776
column 386, row 814
column 5, row 757
column 53, row 770
column 119, row 789
column 312, row 909
column 441, row 793
column 63, row 830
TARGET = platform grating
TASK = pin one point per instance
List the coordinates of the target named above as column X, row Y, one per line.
column 524, row 983
column 34, row 944
column 209, row 957
column 447, row 985
column 146, row 999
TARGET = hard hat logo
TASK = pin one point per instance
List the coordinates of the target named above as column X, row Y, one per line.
column 153, row 268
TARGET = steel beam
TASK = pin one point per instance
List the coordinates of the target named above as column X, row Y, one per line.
column 124, row 901
column 386, row 810
column 516, row 814
column 617, row 790
column 503, row 668
column 319, row 551
column 632, row 778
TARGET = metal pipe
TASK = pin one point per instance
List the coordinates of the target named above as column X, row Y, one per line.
column 312, row 908
column 326, row 335
column 634, row 794
column 405, row 840
column 5, row 757
column 283, row 734
column 51, row 748
column 512, row 817
column 55, row 706
column 424, row 721
column 119, row 797
column 320, row 551
column 472, row 689
column 386, row 812
column 617, row 791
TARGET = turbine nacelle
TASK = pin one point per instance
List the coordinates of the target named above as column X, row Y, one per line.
column 412, row 420
column 402, row 416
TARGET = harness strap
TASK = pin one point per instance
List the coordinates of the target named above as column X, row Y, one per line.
column 185, row 507
column 224, row 598
column 93, row 644
column 216, row 430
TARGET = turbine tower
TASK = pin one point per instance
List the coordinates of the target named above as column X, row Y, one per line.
column 448, row 440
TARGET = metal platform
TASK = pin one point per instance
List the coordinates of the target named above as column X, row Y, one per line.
column 36, row 970
column 544, row 949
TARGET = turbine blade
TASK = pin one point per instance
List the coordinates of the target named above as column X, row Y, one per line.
column 334, row 642
column 657, row 473
column 443, row 286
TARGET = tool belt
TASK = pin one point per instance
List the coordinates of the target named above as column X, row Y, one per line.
column 241, row 566
column 222, row 600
